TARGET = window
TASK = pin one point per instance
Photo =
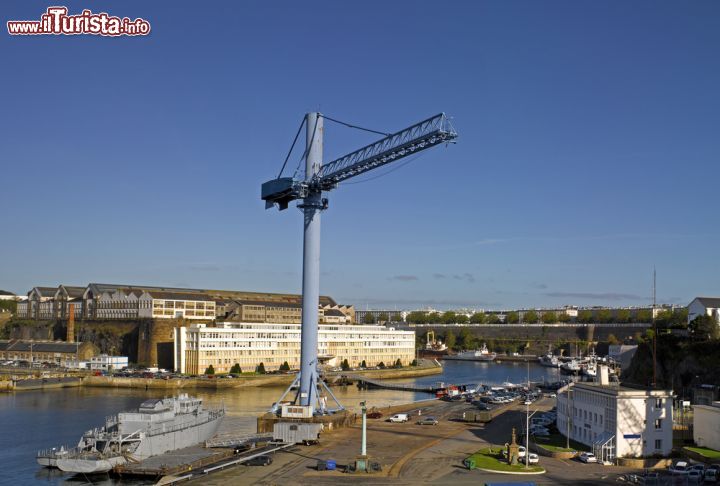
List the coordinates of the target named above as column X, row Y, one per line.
column 658, row 444
column 658, row 424
column 658, row 403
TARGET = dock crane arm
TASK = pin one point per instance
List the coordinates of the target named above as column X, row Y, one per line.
column 416, row 138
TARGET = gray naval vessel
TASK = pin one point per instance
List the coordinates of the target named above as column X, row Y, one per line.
column 158, row 426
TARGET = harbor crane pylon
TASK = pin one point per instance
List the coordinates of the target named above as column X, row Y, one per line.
column 318, row 178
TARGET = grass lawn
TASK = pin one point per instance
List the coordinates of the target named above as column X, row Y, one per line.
column 557, row 443
column 492, row 459
column 704, row 451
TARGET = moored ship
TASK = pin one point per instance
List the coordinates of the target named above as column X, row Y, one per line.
column 158, row 426
column 481, row 354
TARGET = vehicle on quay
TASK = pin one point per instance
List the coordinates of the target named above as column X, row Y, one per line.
column 587, row 457
column 482, row 354
column 427, row 421
column 694, row 477
column 531, row 458
column 680, row 468
column 263, row 460
column 156, row 427
column 399, row 418
column 712, row 473
column 521, row 451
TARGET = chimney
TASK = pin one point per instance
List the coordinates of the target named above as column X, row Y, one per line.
column 602, row 375
column 71, row 324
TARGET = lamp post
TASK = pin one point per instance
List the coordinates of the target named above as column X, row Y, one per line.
column 527, row 433
column 363, row 447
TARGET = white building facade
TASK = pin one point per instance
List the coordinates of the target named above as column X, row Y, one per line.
column 704, row 306
column 249, row 344
column 706, row 425
column 105, row 362
column 617, row 421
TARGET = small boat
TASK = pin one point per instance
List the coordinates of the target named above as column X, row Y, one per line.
column 549, row 360
column 571, row 367
column 49, row 457
column 481, row 354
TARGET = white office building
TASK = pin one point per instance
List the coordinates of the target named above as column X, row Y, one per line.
column 615, row 420
column 105, row 362
column 249, row 344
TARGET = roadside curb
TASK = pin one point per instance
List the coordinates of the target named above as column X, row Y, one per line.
column 496, row 471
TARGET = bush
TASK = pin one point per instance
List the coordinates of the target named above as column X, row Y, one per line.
column 345, row 365
column 260, row 369
column 414, row 363
column 285, row 366
column 398, row 363
column 381, row 365
column 363, row 364
column 236, row 370
column 210, row 370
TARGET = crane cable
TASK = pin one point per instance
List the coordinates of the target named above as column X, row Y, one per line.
column 307, row 150
column 292, row 147
column 349, row 125
column 397, row 167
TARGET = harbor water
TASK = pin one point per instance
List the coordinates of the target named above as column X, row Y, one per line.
column 35, row 420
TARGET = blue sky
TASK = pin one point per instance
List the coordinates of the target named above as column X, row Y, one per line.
column 588, row 149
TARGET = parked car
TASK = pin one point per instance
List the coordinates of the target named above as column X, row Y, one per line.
column 532, row 458
column 694, row 477
column 540, row 432
column 712, row 473
column 399, row 418
column 260, row 461
column 587, row 457
column 427, row 421
column 680, row 468
column 484, row 406
column 374, row 415
column 521, row 452
column 698, row 467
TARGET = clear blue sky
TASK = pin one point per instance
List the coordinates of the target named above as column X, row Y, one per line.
column 588, row 152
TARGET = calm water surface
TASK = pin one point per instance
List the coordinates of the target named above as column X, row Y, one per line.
column 35, row 420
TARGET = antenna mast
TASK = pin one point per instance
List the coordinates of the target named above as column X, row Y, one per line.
column 654, row 379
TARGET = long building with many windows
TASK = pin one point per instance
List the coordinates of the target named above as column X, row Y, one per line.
column 249, row 344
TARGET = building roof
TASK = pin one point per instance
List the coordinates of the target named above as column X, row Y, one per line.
column 73, row 291
column 46, row 291
column 164, row 295
column 713, row 302
column 617, row 389
column 5, row 292
column 334, row 312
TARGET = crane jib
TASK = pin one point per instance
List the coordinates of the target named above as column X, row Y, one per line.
column 426, row 134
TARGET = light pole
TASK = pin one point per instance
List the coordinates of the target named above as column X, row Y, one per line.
column 363, row 448
column 567, row 414
column 527, row 433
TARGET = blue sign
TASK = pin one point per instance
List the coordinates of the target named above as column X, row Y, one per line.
column 631, row 436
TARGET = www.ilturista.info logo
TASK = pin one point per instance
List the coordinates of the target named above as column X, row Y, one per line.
column 56, row 21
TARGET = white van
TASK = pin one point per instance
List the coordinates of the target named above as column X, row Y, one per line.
column 399, row 417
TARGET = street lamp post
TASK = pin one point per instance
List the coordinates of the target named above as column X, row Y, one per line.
column 363, row 448
column 527, row 433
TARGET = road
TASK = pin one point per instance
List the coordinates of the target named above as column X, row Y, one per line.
column 414, row 454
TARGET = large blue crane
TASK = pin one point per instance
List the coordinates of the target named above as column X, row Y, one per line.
column 318, row 178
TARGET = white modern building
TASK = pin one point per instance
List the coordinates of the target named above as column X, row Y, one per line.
column 615, row 420
column 249, row 344
column 105, row 362
column 708, row 306
column 706, row 425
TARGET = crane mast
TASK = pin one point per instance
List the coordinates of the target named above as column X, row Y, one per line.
column 318, row 178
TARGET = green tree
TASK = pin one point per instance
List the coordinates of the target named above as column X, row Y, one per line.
column 285, row 366
column 477, row 318
column 450, row 339
column 612, row 339
column 704, row 328
column 398, row 363
column 563, row 317
column 461, row 319
column 396, row 317
column 414, row 363
column 622, row 315
column 381, row 365
column 236, row 370
column 549, row 317
column 363, row 364
column 382, row 317
column 643, row 316
column 585, row 317
column 210, row 370
column 260, row 370
column 417, row 317
column 369, row 318
column 530, row 317
column 512, row 317
column 493, row 319
column 466, row 339
column 345, row 365
column 449, row 317
column 434, row 318
column 9, row 305
column 604, row 316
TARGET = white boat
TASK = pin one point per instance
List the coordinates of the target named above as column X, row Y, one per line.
column 571, row 367
column 481, row 354
column 549, row 360
column 158, row 426
column 49, row 457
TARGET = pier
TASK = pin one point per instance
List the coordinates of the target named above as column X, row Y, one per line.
column 367, row 383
